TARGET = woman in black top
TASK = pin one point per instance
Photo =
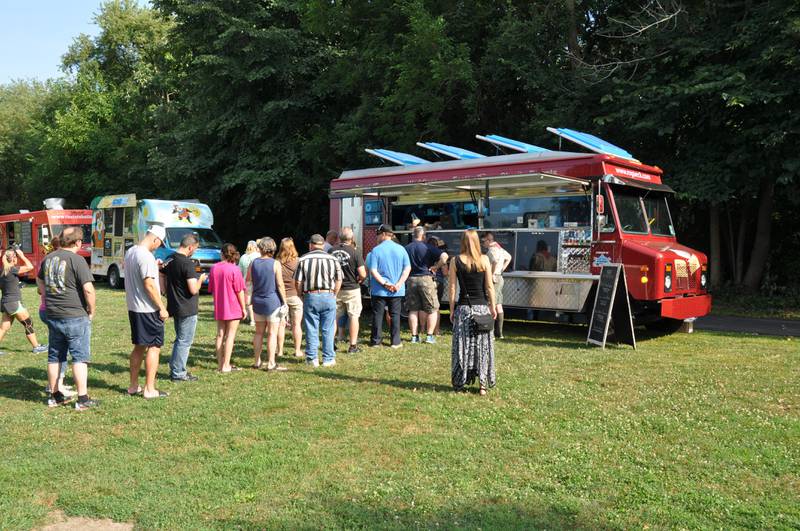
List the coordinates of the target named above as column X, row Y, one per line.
column 11, row 299
column 472, row 352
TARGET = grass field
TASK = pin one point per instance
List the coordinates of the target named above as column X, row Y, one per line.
column 689, row 431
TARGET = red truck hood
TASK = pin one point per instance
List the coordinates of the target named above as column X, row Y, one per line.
column 664, row 249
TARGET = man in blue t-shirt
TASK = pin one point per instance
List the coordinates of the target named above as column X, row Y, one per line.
column 422, row 299
column 388, row 266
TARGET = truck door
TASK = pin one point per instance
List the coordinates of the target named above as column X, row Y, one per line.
column 604, row 242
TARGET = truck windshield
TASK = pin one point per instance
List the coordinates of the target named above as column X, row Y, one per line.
column 630, row 212
column 658, row 215
column 208, row 238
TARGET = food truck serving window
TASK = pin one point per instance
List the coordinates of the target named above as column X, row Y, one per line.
column 444, row 216
column 57, row 229
column 537, row 212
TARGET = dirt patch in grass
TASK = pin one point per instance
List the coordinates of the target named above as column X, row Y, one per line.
column 61, row 522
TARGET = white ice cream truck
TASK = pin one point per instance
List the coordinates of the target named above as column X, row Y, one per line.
column 120, row 221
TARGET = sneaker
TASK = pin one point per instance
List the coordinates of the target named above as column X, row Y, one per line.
column 330, row 363
column 399, row 345
column 353, row 349
column 56, row 399
column 188, row 378
column 430, row 340
column 39, row 349
column 414, row 339
column 83, row 406
column 314, row 363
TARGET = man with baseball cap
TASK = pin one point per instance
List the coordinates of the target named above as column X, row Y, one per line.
column 388, row 266
column 146, row 311
column 318, row 279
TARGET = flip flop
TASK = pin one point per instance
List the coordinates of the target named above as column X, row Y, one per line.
column 161, row 394
column 234, row 368
column 137, row 393
column 276, row 368
column 254, row 366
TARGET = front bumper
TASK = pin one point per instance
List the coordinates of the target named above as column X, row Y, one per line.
column 686, row 307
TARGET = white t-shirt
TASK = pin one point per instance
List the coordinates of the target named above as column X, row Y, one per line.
column 139, row 265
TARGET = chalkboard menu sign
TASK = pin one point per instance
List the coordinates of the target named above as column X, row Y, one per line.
column 25, row 236
column 611, row 304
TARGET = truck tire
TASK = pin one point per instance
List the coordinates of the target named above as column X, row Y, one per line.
column 664, row 326
column 114, row 279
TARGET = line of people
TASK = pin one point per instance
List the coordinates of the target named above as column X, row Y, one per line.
column 275, row 289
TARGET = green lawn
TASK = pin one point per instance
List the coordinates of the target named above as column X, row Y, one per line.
column 688, row 431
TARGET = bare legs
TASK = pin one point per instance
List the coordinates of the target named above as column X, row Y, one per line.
column 150, row 355
column 281, row 337
column 8, row 320
column 258, row 342
column 272, row 341
column 226, row 334
column 353, row 331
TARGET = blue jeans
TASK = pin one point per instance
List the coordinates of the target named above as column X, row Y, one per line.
column 184, row 336
column 43, row 317
column 71, row 335
column 319, row 316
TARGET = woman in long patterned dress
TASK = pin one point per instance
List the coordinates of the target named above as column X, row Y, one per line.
column 472, row 351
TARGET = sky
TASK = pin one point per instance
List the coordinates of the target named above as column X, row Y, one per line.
column 34, row 34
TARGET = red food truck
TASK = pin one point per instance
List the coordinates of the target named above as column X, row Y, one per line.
column 32, row 231
column 561, row 215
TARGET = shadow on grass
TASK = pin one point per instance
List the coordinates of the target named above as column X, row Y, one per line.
column 488, row 514
column 29, row 384
column 402, row 384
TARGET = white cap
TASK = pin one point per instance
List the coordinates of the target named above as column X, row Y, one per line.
column 158, row 231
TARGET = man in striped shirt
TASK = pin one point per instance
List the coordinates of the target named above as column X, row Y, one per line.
column 318, row 279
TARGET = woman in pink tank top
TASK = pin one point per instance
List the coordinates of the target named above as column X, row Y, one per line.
column 226, row 284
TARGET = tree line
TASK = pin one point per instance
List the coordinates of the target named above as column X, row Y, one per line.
column 253, row 107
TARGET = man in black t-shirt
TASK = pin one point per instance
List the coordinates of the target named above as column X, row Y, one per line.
column 66, row 281
column 183, row 288
column 348, row 300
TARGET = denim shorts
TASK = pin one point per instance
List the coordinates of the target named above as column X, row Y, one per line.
column 71, row 335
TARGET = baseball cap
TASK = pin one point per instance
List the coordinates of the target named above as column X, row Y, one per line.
column 316, row 239
column 157, row 231
column 384, row 229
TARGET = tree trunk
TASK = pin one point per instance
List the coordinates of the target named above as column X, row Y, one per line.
column 760, row 252
column 714, row 244
column 744, row 215
column 731, row 244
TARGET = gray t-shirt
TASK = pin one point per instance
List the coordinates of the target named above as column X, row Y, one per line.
column 139, row 265
column 64, row 273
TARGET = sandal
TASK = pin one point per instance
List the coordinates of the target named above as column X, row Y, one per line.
column 482, row 391
column 276, row 368
column 254, row 366
column 234, row 368
column 137, row 393
column 161, row 394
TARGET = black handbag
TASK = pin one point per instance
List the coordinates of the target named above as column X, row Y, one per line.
column 480, row 324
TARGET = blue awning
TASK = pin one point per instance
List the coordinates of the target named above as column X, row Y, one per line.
column 450, row 151
column 591, row 142
column 397, row 157
column 510, row 143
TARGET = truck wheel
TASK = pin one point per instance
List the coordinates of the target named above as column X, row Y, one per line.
column 114, row 280
column 664, row 326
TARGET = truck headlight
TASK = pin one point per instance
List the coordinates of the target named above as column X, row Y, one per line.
column 668, row 278
column 704, row 276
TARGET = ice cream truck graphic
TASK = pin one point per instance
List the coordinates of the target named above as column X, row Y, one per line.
column 120, row 221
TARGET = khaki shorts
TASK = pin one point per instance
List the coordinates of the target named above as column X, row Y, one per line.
column 348, row 302
column 295, row 304
column 499, row 282
column 421, row 294
column 277, row 316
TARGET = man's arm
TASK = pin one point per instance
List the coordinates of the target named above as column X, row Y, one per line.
column 155, row 297
column 362, row 274
column 403, row 278
column 88, row 293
